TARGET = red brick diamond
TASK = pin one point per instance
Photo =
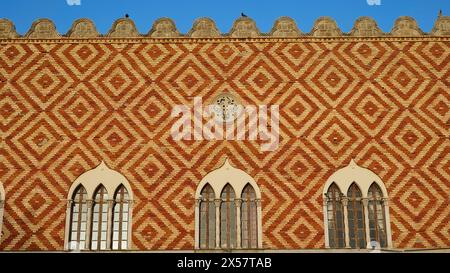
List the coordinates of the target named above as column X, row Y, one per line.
column 45, row 81
column 261, row 80
column 114, row 139
column 333, row 79
column 414, row 199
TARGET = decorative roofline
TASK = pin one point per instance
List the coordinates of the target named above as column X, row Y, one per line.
column 243, row 27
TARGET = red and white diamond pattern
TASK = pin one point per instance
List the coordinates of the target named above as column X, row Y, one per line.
column 64, row 107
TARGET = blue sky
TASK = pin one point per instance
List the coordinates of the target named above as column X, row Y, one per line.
column 224, row 12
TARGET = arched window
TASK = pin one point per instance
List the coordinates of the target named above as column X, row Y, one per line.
column 100, row 220
column 78, row 219
column 377, row 222
column 356, row 217
column 94, row 219
column 249, row 221
column 335, row 217
column 228, row 218
column 228, row 210
column 207, row 218
column 359, row 217
column 120, row 219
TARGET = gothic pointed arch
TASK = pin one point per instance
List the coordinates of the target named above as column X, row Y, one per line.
column 354, row 184
column 121, row 218
column 335, row 216
column 377, row 216
column 106, row 199
column 100, row 219
column 249, row 218
column 356, row 223
column 78, row 218
column 228, row 185
column 207, row 218
column 228, row 221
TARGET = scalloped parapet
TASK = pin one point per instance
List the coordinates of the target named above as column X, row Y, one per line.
column 441, row 26
column 164, row 28
column 326, row 27
column 204, row 28
column 285, row 27
column 244, row 27
column 123, row 28
column 43, row 29
column 7, row 29
column 406, row 26
column 83, row 28
column 366, row 27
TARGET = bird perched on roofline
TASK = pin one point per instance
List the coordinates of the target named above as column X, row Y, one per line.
column 243, row 15
column 127, row 16
column 440, row 13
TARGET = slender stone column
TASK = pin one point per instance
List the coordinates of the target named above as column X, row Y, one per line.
column 388, row 222
column 325, row 220
column 365, row 202
column 66, row 230
column 347, row 233
column 89, row 204
column 259, row 217
column 197, row 223
column 130, row 224
column 238, row 203
column 218, row 202
column 109, row 225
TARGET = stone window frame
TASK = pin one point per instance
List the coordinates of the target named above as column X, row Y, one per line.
column 363, row 178
column 2, row 206
column 91, row 180
column 218, row 179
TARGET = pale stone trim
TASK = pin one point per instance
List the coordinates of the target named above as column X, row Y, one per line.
column 325, row 27
column 91, row 180
column 109, row 223
column 67, row 225
column 43, row 29
column 366, row 219
column 346, row 231
column 363, row 178
column 366, row 27
column 223, row 39
column 204, row 27
column 197, row 224
column 103, row 175
column 89, row 204
column 243, row 27
column 388, row 223
column 83, row 28
column 238, row 203
column 164, row 28
column 217, row 202
column 227, row 174
column 353, row 173
column 123, row 27
column 285, row 27
column 2, row 206
column 325, row 220
column 7, row 29
column 218, row 179
column 441, row 26
column 406, row 26
column 259, row 218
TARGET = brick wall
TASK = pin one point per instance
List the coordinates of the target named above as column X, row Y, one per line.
column 65, row 106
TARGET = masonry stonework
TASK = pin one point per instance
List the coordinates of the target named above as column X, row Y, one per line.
column 68, row 104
